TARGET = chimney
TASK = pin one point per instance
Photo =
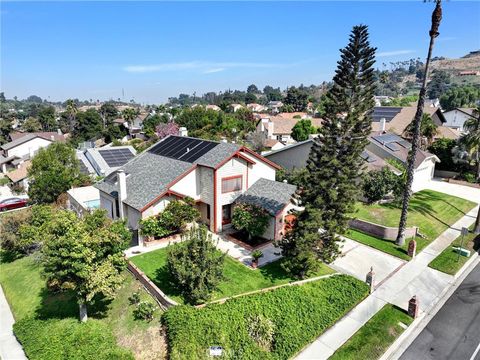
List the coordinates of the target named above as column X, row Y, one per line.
column 182, row 131
column 122, row 191
column 270, row 129
column 59, row 132
column 383, row 123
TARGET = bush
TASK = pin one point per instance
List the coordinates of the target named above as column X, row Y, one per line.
column 4, row 181
column 250, row 218
column 378, row 184
column 134, row 299
column 298, row 314
column 195, row 266
column 443, row 149
column 261, row 330
column 68, row 339
column 10, row 225
column 144, row 311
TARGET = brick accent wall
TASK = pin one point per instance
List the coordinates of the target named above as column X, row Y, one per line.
column 384, row 232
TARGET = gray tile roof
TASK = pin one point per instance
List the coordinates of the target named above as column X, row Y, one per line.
column 268, row 194
column 98, row 162
column 18, row 141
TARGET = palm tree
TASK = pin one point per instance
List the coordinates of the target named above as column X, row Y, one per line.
column 72, row 111
column 471, row 140
column 129, row 114
column 428, row 131
column 433, row 33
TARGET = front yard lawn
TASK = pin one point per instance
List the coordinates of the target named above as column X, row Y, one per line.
column 431, row 211
column 375, row 337
column 44, row 317
column 238, row 278
column 291, row 317
column 448, row 261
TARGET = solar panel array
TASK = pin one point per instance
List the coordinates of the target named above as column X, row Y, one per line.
column 405, row 144
column 387, row 138
column 392, row 146
column 367, row 157
column 116, row 157
column 386, row 112
column 83, row 168
column 183, row 148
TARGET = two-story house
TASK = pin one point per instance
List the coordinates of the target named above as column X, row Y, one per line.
column 214, row 174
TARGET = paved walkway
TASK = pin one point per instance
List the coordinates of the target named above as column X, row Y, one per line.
column 10, row 349
column 414, row 278
column 464, row 192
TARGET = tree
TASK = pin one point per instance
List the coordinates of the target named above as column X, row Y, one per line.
column 443, row 149
column 330, row 191
column 31, row 125
column 250, row 98
column 433, row 33
column 378, row 184
column 195, row 265
column 302, row 130
column 439, row 84
column 428, row 131
column 46, row 116
column 85, row 256
column 34, row 99
column 471, row 140
column 53, row 171
column 163, row 130
column 252, row 89
column 5, row 130
column 272, row 94
column 72, row 111
column 456, row 97
column 89, row 125
column 250, row 218
column 129, row 114
column 297, row 99
column 11, row 239
column 108, row 112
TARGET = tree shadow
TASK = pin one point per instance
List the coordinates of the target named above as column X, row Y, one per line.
column 164, row 282
column 476, row 244
column 274, row 271
column 7, row 257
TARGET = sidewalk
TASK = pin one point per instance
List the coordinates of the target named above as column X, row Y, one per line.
column 414, row 278
column 10, row 349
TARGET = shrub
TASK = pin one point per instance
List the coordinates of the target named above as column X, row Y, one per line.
column 250, row 218
column 68, row 339
column 10, row 225
column 134, row 299
column 378, row 184
column 4, row 181
column 144, row 311
column 195, row 266
column 257, row 254
column 261, row 330
column 298, row 314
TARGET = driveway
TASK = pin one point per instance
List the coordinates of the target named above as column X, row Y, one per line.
column 357, row 259
column 464, row 192
column 5, row 192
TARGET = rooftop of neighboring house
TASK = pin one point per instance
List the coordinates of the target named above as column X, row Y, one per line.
column 106, row 159
column 152, row 172
column 467, row 111
column 275, row 103
column 19, row 138
column 283, row 123
column 398, row 118
column 20, row 173
column 398, row 147
column 445, row 132
column 270, row 195
column 269, row 143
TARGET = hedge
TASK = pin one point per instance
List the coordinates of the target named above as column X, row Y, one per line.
column 68, row 339
column 299, row 315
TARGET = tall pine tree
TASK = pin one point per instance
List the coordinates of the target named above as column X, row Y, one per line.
column 335, row 164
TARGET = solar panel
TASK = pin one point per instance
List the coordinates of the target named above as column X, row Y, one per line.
column 387, row 138
column 367, row 157
column 387, row 112
column 405, row 144
column 392, row 146
column 183, row 148
column 83, row 168
column 116, row 157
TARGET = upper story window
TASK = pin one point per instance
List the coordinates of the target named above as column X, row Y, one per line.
column 233, row 183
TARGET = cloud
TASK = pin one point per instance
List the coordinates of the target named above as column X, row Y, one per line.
column 394, row 53
column 204, row 66
column 446, row 38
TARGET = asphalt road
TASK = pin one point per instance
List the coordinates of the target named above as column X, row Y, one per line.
column 454, row 332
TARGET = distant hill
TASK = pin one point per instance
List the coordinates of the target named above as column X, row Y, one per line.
column 459, row 68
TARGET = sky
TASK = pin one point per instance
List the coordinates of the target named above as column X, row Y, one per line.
column 149, row 51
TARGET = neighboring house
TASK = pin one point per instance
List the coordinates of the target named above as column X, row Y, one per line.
column 213, row 107
column 256, row 107
column 456, row 118
column 236, row 107
column 24, row 146
column 391, row 146
column 272, row 144
column 19, row 176
column 213, row 174
column 83, row 199
column 381, row 98
column 280, row 127
column 103, row 161
column 275, row 106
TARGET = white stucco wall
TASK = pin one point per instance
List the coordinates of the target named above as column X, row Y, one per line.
column 189, row 185
column 107, row 202
column 455, row 119
column 259, row 170
column 32, row 145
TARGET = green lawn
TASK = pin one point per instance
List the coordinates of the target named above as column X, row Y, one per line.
column 28, row 297
column 238, row 278
column 431, row 211
column 448, row 261
column 374, row 338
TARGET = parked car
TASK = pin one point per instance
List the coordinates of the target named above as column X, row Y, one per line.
column 12, row 203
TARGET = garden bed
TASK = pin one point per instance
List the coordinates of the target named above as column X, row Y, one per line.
column 295, row 315
column 238, row 278
column 241, row 238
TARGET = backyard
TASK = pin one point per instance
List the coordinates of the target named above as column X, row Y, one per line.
column 432, row 212
column 53, row 318
column 238, row 278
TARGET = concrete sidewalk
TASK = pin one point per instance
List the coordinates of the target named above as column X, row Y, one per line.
column 414, row 278
column 10, row 349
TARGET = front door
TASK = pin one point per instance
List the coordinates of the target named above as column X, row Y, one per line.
column 226, row 214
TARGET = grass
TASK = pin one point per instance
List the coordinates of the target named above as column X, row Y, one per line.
column 432, row 212
column 448, row 261
column 374, row 338
column 238, row 278
column 28, row 296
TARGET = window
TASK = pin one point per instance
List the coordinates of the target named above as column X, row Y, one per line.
column 233, row 183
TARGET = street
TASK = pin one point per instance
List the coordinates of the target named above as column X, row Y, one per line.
column 454, row 332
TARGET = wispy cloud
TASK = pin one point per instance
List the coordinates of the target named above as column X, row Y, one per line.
column 204, row 66
column 446, row 38
column 394, row 53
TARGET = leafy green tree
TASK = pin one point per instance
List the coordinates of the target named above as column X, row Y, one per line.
column 10, row 225
column 53, row 171
column 250, row 98
column 297, row 98
column 5, row 129
column 439, row 84
column 129, row 114
column 378, row 184
column 302, row 130
column 46, row 116
column 71, row 110
column 89, row 125
column 195, row 265
column 250, row 218
column 34, row 99
column 428, row 131
column 335, row 160
column 272, row 94
column 471, row 140
column 31, row 125
column 108, row 112
column 252, row 89
column 464, row 96
column 85, row 256
column 443, row 149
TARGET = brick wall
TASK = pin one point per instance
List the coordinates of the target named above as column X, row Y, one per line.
column 384, row 232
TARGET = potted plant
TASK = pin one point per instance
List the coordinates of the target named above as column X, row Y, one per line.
column 257, row 254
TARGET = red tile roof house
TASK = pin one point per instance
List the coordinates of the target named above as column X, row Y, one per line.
column 215, row 174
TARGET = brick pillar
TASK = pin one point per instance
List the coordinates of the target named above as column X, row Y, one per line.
column 412, row 248
column 413, row 307
column 370, row 279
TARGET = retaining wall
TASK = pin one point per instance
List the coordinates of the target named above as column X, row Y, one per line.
column 383, row 232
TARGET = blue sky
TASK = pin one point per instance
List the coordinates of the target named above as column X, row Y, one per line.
column 153, row 50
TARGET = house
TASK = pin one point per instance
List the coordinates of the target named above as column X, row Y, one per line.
column 24, row 146
column 19, row 176
column 272, row 144
column 83, row 199
column 391, row 146
column 236, row 107
column 256, row 107
column 280, row 127
column 213, row 107
column 275, row 106
column 213, row 174
column 105, row 160
column 456, row 118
